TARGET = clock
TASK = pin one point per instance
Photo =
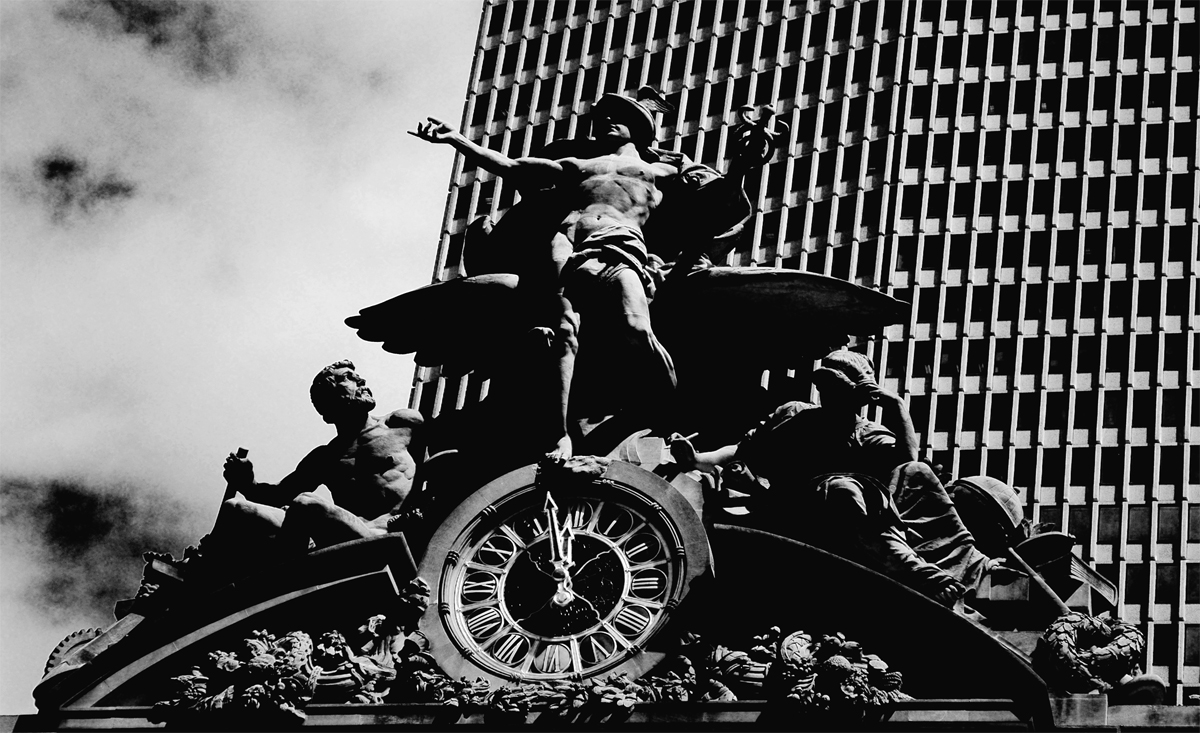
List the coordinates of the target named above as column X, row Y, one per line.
column 560, row 578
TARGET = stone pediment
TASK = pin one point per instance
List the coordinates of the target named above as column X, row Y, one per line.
column 340, row 630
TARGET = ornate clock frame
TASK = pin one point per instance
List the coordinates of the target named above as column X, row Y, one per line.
column 492, row 549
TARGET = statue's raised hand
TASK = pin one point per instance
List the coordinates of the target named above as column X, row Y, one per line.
column 683, row 451
column 874, row 394
column 435, row 131
column 239, row 471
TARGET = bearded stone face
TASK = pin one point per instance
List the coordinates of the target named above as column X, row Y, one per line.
column 342, row 393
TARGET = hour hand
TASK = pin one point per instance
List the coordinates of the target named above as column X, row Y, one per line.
column 560, row 537
column 560, row 554
column 568, row 546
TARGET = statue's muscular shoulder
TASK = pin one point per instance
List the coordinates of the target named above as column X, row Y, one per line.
column 618, row 165
column 392, row 434
column 388, row 438
column 403, row 418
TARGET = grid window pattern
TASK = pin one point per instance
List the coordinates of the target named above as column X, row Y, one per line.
column 1024, row 173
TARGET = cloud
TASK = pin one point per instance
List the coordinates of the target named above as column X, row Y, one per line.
column 87, row 540
column 181, row 241
column 200, row 36
column 69, row 189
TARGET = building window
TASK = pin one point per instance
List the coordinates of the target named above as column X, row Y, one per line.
column 1169, row 527
column 1166, row 643
column 1137, row 583
column 1191, row 650
column 1138, row 531
column 1114, row 409
column 1079, row 523
column 1191, row 591
column 1108, row 530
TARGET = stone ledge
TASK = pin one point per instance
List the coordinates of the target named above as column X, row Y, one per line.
column 960, row 714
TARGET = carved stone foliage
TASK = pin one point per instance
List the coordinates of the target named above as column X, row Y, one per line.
column 268, row 677
column 1081, row 653
column 271, row 678
column 825, row 679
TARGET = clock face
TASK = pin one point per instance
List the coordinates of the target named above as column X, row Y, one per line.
column 545, row 582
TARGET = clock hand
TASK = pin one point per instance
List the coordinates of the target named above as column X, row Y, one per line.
column 560, row 553
column 564, row 594
column 550, row 509
column 560, row 537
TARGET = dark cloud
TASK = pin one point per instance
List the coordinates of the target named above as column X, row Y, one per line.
column 196, row 33
column 86, row 540
column 68, row 187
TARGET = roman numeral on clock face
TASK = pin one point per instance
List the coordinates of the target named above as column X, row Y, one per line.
column 614, row 521
column 479, row 587
column 632, row 620
column 644, row 584
column 597, row 647
column 577, row 516
column 511, row 648
column 553, row 659
column 642, row 548
column 496, row 551
column 648, row 583
column 483, row 623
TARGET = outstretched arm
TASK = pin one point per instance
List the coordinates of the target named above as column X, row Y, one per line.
column 239, row 477
column 686, row 455
column 524, row 172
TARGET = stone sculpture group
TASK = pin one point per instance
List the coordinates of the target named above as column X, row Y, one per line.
column 820, row 473
column 606, row 226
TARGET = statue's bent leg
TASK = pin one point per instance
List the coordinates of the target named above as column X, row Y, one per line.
column 846, row 526
column 243, row 529
column 314, row 515
column 933, row 525
column 245, row 516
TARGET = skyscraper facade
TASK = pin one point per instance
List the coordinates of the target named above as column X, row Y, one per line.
column 1024, row 173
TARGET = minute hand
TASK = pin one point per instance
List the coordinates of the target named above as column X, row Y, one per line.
column 559, row 556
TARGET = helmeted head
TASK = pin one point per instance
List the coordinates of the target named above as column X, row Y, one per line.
column 338, row 391
column 623, row 111
column 842, row 377
column 992, row 511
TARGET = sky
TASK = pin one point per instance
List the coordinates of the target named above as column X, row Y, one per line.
column 193, row 197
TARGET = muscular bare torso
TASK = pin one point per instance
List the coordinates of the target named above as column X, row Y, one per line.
column 611, row 190
column 369, row 474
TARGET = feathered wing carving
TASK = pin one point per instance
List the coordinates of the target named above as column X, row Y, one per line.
column 767, row 314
